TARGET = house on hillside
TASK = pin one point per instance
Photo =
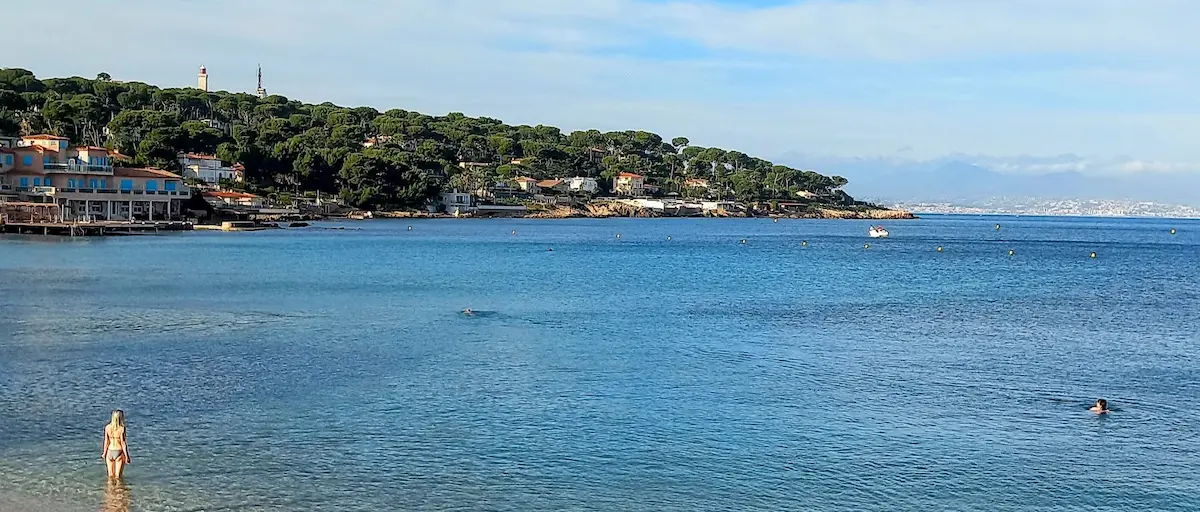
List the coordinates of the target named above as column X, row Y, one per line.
column 697, row 183
column 209, row 169
column 552, row 186
column 579, row 184
column 629, row 184
column 526, row 184
column 377, row 141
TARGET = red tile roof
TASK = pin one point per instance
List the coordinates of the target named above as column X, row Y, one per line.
column 549, row 183
column 44, row 136
column 129, row 172
column 229, row 195
column 200, row 156
column 629, row 175
column 523, row 179
column 91, row 148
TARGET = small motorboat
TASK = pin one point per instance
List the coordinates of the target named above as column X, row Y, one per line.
column 877, row 232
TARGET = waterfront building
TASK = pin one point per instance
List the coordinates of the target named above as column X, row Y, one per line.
column 209, row 169
column 629, row 184
column 238, row 199
column 84, row 182
column 700, row 183
column 457, row 203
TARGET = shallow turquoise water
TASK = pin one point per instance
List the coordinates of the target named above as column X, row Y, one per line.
column 331, row 369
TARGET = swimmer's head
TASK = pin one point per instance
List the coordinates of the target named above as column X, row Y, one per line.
column 1102, row 404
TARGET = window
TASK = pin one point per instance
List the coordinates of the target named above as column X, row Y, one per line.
column 70, row 182
column 37, row 182
column 171, row 185
column 151, row 185
column 126, row 184
column 62, row 144
column 27, row 160
column 104, row 183
column 95, row 184
column 47, row 183
column 24, row 181
column 7, row 159
column 45, row 160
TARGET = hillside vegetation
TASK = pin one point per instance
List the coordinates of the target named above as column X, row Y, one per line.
column 287, row 145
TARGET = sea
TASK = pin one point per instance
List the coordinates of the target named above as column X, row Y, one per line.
column 610, row 364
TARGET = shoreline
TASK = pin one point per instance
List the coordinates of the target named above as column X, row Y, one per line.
column 642, row 213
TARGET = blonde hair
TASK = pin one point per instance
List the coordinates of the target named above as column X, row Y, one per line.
column 118, row 420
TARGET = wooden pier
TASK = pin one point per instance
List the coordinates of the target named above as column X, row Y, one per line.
column 91, row 228
column 47, row 219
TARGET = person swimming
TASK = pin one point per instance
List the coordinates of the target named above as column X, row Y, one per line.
column 116, row 452
column 1101, row 406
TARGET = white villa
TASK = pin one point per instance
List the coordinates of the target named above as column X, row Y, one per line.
column 582, row 184
column 208, row 168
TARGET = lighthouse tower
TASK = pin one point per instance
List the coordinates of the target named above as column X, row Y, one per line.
column 202, row 80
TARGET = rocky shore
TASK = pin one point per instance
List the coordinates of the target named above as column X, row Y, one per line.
column 606, row 209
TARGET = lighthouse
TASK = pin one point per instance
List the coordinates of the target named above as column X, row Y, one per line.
column 202, row 80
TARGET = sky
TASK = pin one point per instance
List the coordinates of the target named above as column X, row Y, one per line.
column 1109, row 83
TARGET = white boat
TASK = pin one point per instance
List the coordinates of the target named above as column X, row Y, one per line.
column 877, row 232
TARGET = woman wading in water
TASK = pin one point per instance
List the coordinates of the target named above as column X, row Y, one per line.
column 116, row 453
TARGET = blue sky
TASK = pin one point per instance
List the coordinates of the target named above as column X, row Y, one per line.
column 1106, row 80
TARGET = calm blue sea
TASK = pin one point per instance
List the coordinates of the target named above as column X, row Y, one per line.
column 331, row 369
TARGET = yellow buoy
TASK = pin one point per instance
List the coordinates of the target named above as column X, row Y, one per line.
column 776, row 220
column 866, row 246
column 514, row 231
column 939, row 248
column 1172, row 231
column 743, row 241
column 410, row 228
column 997, row 227
column 1092, row 255
column 618, row 235
column 804, row 243
column 1011, row 252
column 668, row 239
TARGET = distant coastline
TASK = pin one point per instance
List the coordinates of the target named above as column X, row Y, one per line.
column 1054, row 208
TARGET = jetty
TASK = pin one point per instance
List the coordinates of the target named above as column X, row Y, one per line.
column 46, row 219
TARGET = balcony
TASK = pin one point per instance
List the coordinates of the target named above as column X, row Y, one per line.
column 78, row 168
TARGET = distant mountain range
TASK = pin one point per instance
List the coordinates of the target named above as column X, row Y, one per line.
column 966, row 179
